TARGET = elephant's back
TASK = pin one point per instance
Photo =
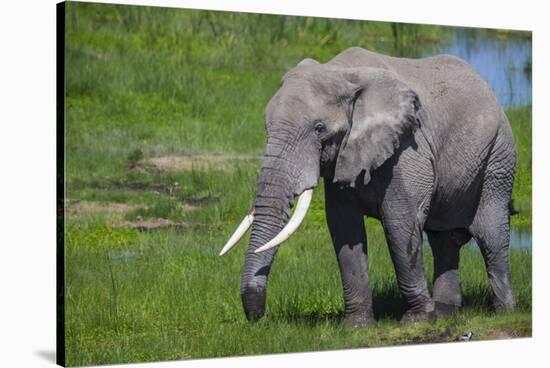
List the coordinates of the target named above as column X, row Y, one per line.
column 444, row 83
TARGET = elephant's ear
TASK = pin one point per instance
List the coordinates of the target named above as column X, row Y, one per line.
column 384, row 112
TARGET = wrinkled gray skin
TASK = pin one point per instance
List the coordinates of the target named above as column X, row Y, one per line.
column 418, row 144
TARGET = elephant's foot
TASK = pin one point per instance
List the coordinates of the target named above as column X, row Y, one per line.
column 507, row 304
column 359, row 320
column 443, row 310
column 416, row 316
column 503, row 296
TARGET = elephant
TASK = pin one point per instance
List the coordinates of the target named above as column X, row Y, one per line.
column 422, row 145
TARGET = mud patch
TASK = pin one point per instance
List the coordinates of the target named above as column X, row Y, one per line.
column 499, row 335
column 436, row 336
column 116, row 213
column 78, row 207
column 505, row 333
column 222, row 162
column 152, row 225
column 197, row 201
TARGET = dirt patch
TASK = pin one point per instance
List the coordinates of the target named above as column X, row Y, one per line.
column 436, row 336
column 117, row 211
column 152, row 225
column 225, row 162
column 499, row 335
column 506, row 333
column 197, row 201
column 187, row 206
column 78, row 207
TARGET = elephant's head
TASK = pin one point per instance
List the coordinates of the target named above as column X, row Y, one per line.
column 325, row 121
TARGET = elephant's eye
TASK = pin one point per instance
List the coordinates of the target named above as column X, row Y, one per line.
column 320, row 127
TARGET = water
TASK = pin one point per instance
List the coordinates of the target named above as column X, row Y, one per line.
column 520, row 239
column 505, row 64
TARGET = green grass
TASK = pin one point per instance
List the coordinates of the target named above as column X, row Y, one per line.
column 184, row 81
column 520, row 119
column 145, row 82
column 140, row 296
column 155, row 296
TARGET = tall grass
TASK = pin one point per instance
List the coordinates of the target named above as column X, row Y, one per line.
column 169, row 80
column 146, row 82
column 520, row 119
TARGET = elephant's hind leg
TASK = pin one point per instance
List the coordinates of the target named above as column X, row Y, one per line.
column 491, row 231
column 446, row 246
column 491, row 224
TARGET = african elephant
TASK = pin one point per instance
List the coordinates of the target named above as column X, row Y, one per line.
column 419, row 144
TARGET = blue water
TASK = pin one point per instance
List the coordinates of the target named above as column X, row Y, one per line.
column 502, row 63
column 519, row 239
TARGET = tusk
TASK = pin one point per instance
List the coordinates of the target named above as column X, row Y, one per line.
column 238, row 234
column 301, row 209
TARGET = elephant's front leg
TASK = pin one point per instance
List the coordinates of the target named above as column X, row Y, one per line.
column 345, row 222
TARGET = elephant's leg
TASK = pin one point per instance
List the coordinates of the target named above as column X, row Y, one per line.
column 345, row 222
column 491, row 224
column 446, row 252
column 491, row 230
column 405, row 243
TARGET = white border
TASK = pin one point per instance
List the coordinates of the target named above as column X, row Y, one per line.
column 27, row 184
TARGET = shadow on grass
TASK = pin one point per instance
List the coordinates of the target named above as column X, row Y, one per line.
column 310, row 319
column 387, row 304
column 479, row 298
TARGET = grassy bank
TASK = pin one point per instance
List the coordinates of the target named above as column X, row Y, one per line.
column 164, row 114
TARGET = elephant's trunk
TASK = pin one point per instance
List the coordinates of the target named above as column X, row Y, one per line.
column 288, row 169
column 271, row 212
